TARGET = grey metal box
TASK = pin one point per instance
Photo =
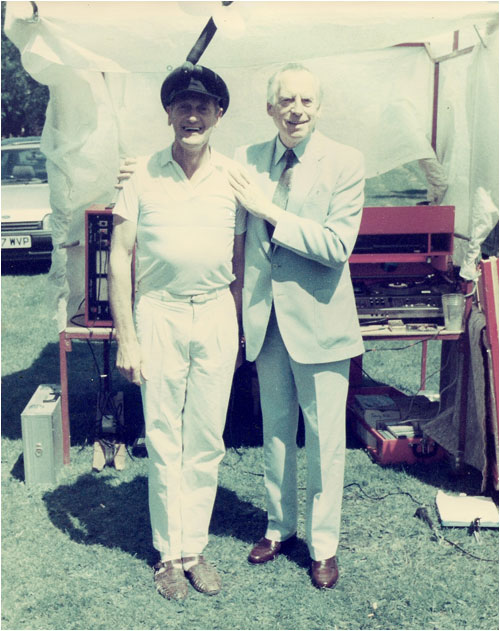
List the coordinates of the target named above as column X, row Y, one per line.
column 42, row 436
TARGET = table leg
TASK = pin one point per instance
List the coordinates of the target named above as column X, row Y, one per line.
column 423, row 366
column 64, row 347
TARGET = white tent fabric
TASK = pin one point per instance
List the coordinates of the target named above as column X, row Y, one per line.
column 105, row 61
column 150, row 36
column 484, row 168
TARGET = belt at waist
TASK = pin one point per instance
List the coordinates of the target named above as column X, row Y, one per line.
column 166, row 296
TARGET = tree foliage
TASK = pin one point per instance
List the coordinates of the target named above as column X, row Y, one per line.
column 24, row 100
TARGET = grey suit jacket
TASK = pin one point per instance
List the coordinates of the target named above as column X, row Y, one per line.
column 305, row 270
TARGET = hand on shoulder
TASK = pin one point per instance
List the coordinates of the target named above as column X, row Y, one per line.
column 127, row 169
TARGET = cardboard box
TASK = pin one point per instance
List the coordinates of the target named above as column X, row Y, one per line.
column 375, row 409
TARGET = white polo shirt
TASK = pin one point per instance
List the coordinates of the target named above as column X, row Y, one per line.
column 185, row 227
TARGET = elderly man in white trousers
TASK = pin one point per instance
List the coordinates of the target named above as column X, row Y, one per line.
column 180, row 344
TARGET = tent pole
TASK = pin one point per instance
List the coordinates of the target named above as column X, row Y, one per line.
column 456, row 52
column 435, row 99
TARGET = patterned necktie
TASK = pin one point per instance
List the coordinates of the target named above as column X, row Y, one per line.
column 280, row 197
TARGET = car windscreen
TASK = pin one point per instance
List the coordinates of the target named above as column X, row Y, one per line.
column 23, row 165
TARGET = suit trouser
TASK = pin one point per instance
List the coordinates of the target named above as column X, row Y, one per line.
column 321, row 392
column 190, row 347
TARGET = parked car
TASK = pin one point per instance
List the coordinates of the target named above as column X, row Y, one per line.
column 26, row 209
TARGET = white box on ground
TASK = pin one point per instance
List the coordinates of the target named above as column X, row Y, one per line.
column 42, row 436
column 462, row 510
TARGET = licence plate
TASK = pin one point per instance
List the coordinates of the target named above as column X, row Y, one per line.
column 18, row 241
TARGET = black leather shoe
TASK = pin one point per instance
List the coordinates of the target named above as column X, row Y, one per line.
column 266, row 550
column 325, row 574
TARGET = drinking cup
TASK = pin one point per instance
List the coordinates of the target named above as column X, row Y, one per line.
column 453, row 311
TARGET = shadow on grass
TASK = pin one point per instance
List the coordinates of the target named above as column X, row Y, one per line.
column 18, row 388
column 84, row 365
column 17, row 471
column 244, row 420
column 442, row 475
column 95, row 510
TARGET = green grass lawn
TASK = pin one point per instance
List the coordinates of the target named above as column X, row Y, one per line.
column 78, row 555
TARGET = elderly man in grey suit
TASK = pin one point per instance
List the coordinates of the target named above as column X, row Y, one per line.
column 304, row 195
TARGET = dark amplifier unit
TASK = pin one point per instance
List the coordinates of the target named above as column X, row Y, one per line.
column 410, row 300
column 98, row 226
column 409, row 308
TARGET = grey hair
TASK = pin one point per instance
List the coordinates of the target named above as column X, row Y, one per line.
column 273, row 83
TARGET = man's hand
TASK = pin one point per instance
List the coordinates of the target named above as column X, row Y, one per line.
column 251, row 197
column 127, row 168
column 128, row 362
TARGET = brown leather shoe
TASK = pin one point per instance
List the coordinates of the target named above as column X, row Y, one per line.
column 170, row 580
column 266, row 550
column 203, row 576
column 325, row 574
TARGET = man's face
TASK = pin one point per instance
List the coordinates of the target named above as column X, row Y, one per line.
column 297, row 106
column 193, row 118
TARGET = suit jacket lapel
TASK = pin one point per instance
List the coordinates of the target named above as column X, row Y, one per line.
column 304, row 179
column 306, row 174
column 268, row 186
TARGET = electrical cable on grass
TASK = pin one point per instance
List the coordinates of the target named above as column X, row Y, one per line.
column 88, row 439
column 422, row 514
column 346, row 486
column 108, row 408
column 99, row 414
column 105, row 407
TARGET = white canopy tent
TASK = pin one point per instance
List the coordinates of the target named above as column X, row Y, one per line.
column 105, row 61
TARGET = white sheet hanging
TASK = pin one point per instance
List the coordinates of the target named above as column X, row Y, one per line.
column 105, row 61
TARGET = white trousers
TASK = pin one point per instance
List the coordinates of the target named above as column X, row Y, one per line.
column 321, row 392
column 190, row 346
